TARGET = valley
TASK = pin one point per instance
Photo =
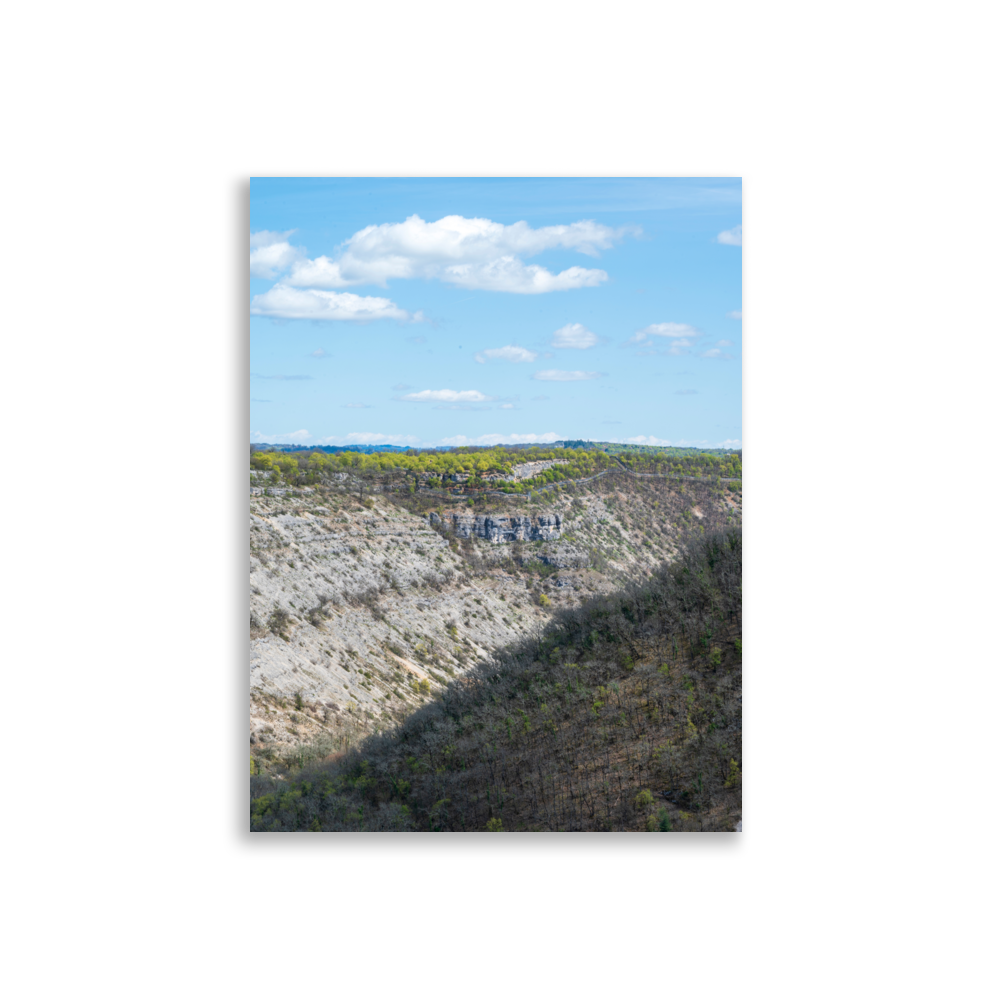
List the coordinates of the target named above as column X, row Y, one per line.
column 367, row 601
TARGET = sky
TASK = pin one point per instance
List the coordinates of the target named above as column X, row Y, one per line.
column 476, row 311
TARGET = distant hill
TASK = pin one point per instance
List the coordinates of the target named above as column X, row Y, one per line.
column 608, row 447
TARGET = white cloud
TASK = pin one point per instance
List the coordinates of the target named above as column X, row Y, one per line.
column 736, row 314
column 574, row 335
column 680, row 335
column 282, row 302
column 732, row 237
column 643, row 439
column 448, row 396
column 506, row 406
column 714, row 352
column 554, row 375
column 471, row 253
column 291, row 437
column 266, row 238
column 370, row 437
column 461, row 440
column 319, row 354
column 508, row 274
column 508, row 353
column 271, row 253
column 673, row 331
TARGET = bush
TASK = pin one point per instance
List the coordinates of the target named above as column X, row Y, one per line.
column 495, row 825
column 660, row 822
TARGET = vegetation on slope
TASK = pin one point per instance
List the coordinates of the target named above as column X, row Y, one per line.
column 624, row 715
column 433, row 468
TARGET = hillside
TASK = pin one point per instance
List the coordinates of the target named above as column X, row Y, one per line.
column 367, row 602
column 622, row 713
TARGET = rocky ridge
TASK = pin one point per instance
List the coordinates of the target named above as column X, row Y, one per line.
column 499, row 528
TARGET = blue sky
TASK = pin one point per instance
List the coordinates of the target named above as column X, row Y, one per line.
column 431, row 311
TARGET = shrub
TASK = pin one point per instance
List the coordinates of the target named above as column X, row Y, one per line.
column 495, row 825
column 544, row 601
column 661, row 822
column 644, row 799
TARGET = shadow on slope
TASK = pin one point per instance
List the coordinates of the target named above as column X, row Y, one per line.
column 624, row 715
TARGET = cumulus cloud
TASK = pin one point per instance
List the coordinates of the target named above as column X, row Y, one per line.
column 508, row 353
column 731, row 237
column 271, row 253
column 723, row 343
column 736, row 314
column 319, row 354
column 448, row 396
column 284, row 302
column 574, row 335
column 461, row 440
column 470, row 253
column 714, row 352
column 506, row 406
column 508, row 274
column 554, row 375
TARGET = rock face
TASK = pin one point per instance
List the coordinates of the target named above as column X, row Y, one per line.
column 499, row 528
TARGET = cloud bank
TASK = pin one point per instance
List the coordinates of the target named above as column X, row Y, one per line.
column 460, row 440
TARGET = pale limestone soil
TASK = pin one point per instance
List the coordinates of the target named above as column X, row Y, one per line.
column 311, row 552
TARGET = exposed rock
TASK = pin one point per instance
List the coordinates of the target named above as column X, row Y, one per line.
column 499, row 528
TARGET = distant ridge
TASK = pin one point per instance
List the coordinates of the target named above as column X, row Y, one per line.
column 609, row 447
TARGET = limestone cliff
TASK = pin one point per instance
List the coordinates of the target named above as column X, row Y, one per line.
column 502, row 528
